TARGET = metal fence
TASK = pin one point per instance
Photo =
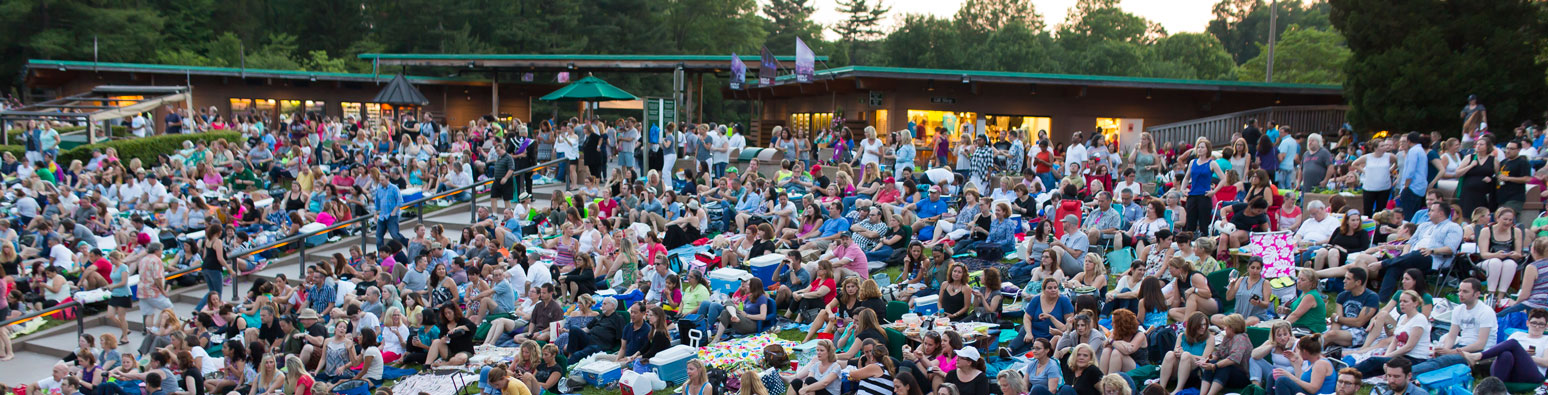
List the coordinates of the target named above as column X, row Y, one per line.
column 1301, row 119
column 364, row 223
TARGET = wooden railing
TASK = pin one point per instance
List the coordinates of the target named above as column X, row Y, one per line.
column 1301, row 119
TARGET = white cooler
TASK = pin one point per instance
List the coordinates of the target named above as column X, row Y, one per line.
column 672, row 365
column 727, row 280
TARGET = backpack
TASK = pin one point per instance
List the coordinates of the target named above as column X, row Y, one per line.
column 1159, row 341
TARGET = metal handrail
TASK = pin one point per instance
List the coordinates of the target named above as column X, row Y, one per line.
column 80, row 328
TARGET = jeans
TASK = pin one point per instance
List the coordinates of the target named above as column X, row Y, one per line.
column 708, row 315
column 1019, row 345
column 882, row 253
column 581, row 344
column 1439, row 362
column 213, row 279
column 563, row 173
column 1518, row 307
column 1048, row 180
column 1286, row 386
column 719, row 168
column 1373, row 366
column 1410, row 203
column 1392, row 272
column 386, row 226
column 1233, row 376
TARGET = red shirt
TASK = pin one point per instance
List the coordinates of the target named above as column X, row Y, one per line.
column 105, row 268
column 607, row 207
column 826, row 283
column 1044, row 156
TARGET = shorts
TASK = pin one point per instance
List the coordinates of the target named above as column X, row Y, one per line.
column 501, row 190
column 1356, row 335
column 122, row 302
column 151, row 306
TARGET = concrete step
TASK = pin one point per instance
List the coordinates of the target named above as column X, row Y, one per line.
column 27, row 367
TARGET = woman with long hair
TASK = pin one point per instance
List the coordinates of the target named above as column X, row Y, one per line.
column 1504, row 246
column 848, row 299
column 1347, row 239
column 1128, row 339
column 1191, row 348
column 754, row 311
column 1249, row 294
column 956, row 299
column 866, row 328
column 1152, row 302
column 1191, row 291
column 1200, row 171
column 821, row 375
column 875, row 374
column 821, row 291
column 297, row 380
column 698, row 380
column 1410, row 337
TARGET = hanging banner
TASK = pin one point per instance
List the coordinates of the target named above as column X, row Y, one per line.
column 806, row 62
column 738, row 72
column 767, row 67
column 563, row 77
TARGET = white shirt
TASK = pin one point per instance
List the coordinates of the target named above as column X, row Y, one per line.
column 130, row 192
column 738, row 142
column 1317, row 232
column 870, row 151
column 517, row 278
column 62, row 256
column 394, row 344
column 207, row 364
column 1075, row 154
column 1469, row 319
column 538, row 274
column 27, row 207
column 1132, row 186
column 158, row 193
column 588, row 241
column 1527, row 342
column 719, row 141
column 140, row 126
column 1422, row 350
column 368, row 320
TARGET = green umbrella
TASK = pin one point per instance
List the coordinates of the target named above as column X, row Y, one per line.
column 590, row 88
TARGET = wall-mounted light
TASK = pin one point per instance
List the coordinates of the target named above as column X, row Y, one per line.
column 965, row 79
column 1276, row 99
column 1034, row 90
column 571, row 66
column 313, row 79
column 930, row 86
column 61, row 68
column 471, row 64
column 1148, row 92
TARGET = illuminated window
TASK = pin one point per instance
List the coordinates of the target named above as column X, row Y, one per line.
column 120, row 101
column 265, row 106
column 880, row 122
column 1109, row 128
column 952, row 121
column 241, row 107
column 811, row 121
column 290, row 107
column 997, row 125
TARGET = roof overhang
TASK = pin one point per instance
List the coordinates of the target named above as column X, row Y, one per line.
column 591, row 63
column 97, row 105
column 41, row 66
column 858, row 76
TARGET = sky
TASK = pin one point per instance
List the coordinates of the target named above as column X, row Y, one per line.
column 1174, row 15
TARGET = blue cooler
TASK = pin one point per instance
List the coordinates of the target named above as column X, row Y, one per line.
column 672, row 365
column 727, row 280
column 763, row 267
column 600, row 373
column 927, row 305
column 411, row 194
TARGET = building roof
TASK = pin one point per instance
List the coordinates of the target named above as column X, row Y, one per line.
column 1065, row 79
column 579, row 62
column 64, row 65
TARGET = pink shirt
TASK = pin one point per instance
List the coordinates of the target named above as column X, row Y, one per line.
column 857, row 262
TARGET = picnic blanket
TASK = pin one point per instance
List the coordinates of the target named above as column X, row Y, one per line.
column 738, row 353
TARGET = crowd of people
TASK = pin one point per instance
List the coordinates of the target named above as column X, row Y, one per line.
column 1118, row 269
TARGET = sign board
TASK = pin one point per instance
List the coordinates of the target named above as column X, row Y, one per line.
column 738, row 72
column 660, row 111
column 805, row 66
column 876, row 99
column 943, row 100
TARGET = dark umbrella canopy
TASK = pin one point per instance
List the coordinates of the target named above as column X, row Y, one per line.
column 590, row 88
column 401, row 92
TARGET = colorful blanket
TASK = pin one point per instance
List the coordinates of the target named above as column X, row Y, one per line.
column 738, row 353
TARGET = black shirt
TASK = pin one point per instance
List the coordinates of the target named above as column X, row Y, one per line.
column 1359, row 241
column 463, row 341
column 979, row 385
column 1510, row 191
column 608, row 329
column 1247, row 222
column 1252, row 134
column 658, row 343
column 1086, row 384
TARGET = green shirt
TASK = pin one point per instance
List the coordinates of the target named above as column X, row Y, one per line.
column 1540, row 222
column 47, row 175
column 1317, row 319
column 692, row 297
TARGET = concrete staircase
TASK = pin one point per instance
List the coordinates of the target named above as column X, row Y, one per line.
column 36, row 353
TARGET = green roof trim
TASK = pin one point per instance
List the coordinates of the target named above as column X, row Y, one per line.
column 669, row 58
column 954, row 74
column 228, row 70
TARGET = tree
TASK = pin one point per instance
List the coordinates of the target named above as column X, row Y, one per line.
column 1191, row 55
column 924, row 41
column 1242, row 25
column 1092, row 21
column 788, row 19
column 1304, row 56
column 993, row 15
column 862, row 22
column 1017, row 47
column 1413, row 62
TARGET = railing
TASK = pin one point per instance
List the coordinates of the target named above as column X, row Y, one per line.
column 1319, row 119
column 299, row 239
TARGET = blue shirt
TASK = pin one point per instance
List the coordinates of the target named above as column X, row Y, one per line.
column 1415, row 170
column 1038, row 376
column 1291, row 149
column 834, row 226
column 1002, row 232
column 749, row 202
column 635, row 339
column 930, row 208
column 1431, row 235
column 1039, row 327
column 320, row 297
column 388, row 198
column 504, row 298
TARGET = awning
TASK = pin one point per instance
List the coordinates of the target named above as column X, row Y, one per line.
column 401, row 92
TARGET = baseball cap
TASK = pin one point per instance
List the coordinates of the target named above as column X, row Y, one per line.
column 969, row 352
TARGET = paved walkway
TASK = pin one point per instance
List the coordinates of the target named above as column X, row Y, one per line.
column 36, row 353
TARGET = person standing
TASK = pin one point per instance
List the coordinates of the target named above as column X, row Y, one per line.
column 388, row 201
column 671, row 141
column 1201, row 169
column 502, row 170
column 1289, row 152
column 1475, row 118
column 212, row 252
column 174, row 121
column 720, row 151
column 1076, row 153
column 1515, row 172
column 1375, row 169
column 1314, row 164
column 593, row 150
column 139, row 125
column 1414, row 178
column 1251, row 133
column 1478, row 172
column 628, row 141
column 522, row 156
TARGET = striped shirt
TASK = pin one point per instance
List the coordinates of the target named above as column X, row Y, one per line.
column 879, row 385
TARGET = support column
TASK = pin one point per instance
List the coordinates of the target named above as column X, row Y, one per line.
column 494, row 95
